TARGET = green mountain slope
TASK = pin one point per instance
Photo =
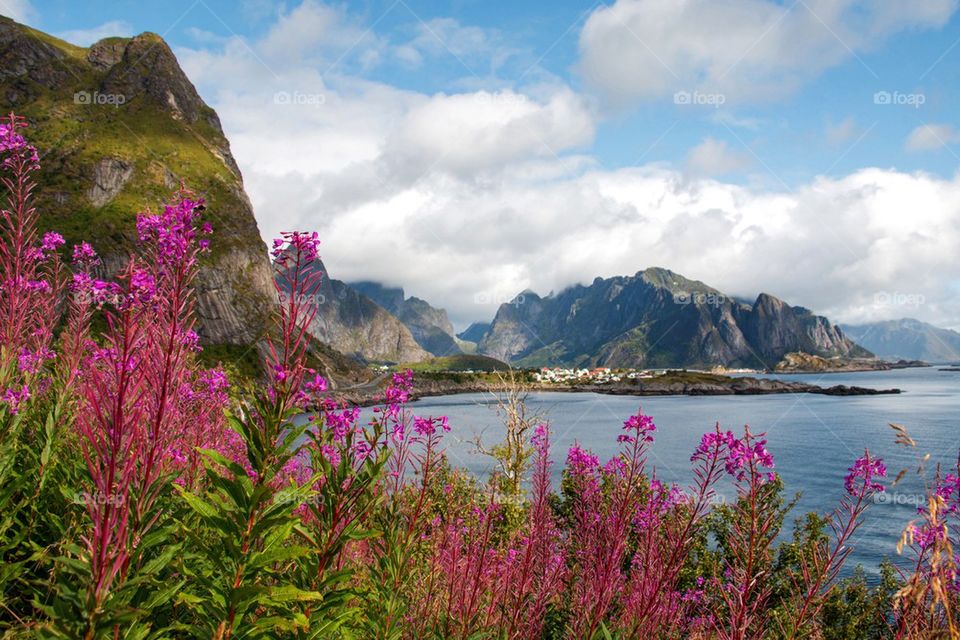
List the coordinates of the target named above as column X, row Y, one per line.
column 120, row 126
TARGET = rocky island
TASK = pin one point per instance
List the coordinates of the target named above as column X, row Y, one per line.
column 669, row 383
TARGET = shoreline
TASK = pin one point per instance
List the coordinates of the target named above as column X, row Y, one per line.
column 671, row 386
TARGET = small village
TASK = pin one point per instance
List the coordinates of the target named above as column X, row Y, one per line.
column 598, row 375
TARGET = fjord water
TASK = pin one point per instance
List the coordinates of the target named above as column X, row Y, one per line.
column 813, row 438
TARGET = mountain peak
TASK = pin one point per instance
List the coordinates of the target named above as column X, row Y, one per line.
column 656, row 318
column 124, row 122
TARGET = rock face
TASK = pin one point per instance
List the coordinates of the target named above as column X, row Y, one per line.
column 475, row 332
column 120, row 126
column 656, row 318
column 430, row 327
column 357, row 326
column 907, row 338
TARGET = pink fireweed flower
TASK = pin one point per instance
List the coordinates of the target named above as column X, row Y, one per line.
column 84, row 256
column 191, row 341
column 639, row 428
column 90, row 291
column 316, row 386
column 581, row 462
column 712, row 441
column 214, row 384
column 143, row 286
column 926, row 536
column 41, row 286
column 13, row 145
column 342, row 423
column 292, row 242
column 14, row 397
column 949, row 490
column 172, row 232
column 52, row 241
column 398, row 392
column 743, row 454
column 31, row 361
column 865, row 469
column 428, row 426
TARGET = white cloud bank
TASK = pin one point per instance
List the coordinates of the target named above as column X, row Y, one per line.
column 466, row 199
column 746, row 50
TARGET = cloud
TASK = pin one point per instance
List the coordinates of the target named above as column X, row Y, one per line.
column 467, row 198
column 928, row 137
column 20, row 10
column 86, row 37
column 843, row 132
column 747, row 50
column 713, row 157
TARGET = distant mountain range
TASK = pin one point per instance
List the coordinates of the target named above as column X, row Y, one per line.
column 431, row 327
column 356, row 326
column 907, row 338
column 657, row 318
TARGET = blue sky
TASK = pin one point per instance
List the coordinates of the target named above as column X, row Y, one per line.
column 541, row 144
column 816, row 129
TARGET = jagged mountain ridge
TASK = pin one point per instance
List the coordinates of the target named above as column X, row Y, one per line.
column 656, row 318
column 907, row 338
column 354, row 324
column 431, row 327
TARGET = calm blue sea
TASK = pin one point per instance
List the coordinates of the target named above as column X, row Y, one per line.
column 814, row 438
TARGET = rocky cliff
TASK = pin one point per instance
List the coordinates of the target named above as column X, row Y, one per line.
column 120, row 126
column 430, row 326
column 656, row 318
column 357, row 326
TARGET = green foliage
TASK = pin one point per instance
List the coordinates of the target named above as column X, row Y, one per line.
column 244, row 544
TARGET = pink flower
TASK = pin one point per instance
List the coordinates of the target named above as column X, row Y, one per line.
column 84, row 256
column 317, row 385
column 52, row 241
column 191, row 341
column 14, row 397
column 30, row 362
column 215, row 384
column 428, row 426
column 865, row 469
column 295, row 242
column 580, row 462
column 745, row 454
column 143, row 286
column 641, row 428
